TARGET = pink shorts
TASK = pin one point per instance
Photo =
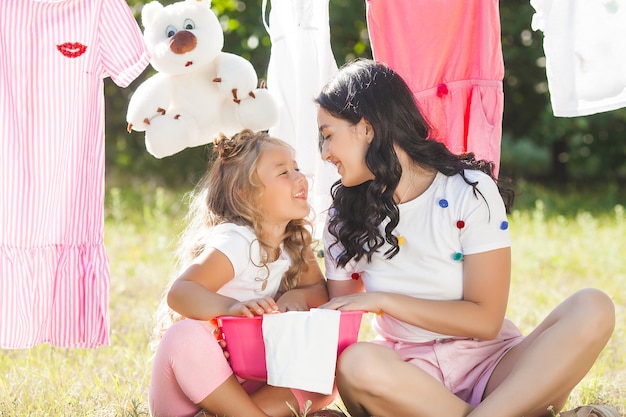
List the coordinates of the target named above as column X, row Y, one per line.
column 189, row 365
column 464, row 366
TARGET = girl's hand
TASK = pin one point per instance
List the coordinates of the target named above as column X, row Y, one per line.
column 292, row 301
column 219, row 336
column 254, row 307
column 371, row 302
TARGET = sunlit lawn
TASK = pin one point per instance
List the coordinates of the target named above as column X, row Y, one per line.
column 553, row 255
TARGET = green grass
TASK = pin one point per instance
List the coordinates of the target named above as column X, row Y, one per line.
column 561, row 242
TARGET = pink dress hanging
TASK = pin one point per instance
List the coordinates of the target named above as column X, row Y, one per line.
column 54, row 271
column 449, row 52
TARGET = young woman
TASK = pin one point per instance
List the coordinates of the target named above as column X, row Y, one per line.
column 246, row 251
column 420, row 237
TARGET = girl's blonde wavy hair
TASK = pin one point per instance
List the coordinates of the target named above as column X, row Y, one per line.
column 229, row 193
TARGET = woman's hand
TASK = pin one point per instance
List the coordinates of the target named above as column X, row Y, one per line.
column 371, row 302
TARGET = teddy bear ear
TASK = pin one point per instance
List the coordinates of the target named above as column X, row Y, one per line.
column 149, row 12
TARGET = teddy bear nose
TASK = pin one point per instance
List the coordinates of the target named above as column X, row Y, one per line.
column 183, row 41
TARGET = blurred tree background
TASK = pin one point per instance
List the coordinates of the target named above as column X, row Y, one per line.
column 536, row 146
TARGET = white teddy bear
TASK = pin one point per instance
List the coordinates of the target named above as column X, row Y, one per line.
column 199, row 90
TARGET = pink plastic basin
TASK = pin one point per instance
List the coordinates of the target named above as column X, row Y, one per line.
column 244, row 341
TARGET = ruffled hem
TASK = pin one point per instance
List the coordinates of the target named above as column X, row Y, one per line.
column 56, row 294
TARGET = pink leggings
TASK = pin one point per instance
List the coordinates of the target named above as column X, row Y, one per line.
column 189, row 365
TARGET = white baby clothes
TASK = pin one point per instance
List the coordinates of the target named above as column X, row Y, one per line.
column 301, row 63
column 584, row 46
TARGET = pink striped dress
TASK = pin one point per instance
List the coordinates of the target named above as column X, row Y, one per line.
column 54, row 271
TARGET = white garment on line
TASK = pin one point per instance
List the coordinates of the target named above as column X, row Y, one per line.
column 301, row 63
column 585, row 54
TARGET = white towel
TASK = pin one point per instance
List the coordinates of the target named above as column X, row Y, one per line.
column 301, row 349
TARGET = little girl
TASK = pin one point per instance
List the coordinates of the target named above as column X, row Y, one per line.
column 246, row 251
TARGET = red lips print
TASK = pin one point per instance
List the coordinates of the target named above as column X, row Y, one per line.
column 72, row 49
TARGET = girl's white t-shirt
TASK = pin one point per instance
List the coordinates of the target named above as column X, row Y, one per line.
column 439, row 227
column 241, row 247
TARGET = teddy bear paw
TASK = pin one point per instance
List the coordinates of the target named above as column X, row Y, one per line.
column 235, row 99
column 259, row 112
column 169, row 135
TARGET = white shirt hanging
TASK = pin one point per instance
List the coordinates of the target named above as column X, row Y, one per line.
column 585, row 54
column 301, row 63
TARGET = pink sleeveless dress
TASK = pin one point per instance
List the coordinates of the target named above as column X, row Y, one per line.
column 450, row 54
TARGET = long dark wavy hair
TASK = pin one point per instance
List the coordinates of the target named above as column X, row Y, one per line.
column 365, row 89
